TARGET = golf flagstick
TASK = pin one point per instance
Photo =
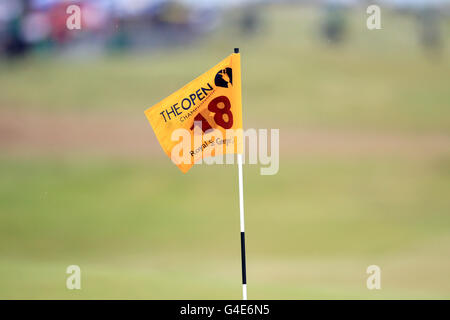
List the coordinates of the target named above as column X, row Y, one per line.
column 241, row 210
column 241, row 214
column 225, row 99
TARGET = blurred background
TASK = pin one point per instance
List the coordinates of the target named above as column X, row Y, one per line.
column 364, row 119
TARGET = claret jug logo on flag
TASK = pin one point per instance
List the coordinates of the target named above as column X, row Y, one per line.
column 202, row 119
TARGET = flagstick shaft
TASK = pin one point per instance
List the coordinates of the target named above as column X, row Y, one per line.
column 241, row 211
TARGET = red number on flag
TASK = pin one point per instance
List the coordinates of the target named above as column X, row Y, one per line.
column 220, row 112
column 205, row 124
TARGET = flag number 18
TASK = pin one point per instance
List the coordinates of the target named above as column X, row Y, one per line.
column 213, row 106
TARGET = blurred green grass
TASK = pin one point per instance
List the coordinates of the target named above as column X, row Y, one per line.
column 141, row 229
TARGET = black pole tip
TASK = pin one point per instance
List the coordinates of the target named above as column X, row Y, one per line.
column 236, row 50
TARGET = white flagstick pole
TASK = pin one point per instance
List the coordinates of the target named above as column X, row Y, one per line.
column 241, row 210
column 241, row 213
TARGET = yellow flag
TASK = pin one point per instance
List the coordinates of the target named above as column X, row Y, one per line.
column 202, row 119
